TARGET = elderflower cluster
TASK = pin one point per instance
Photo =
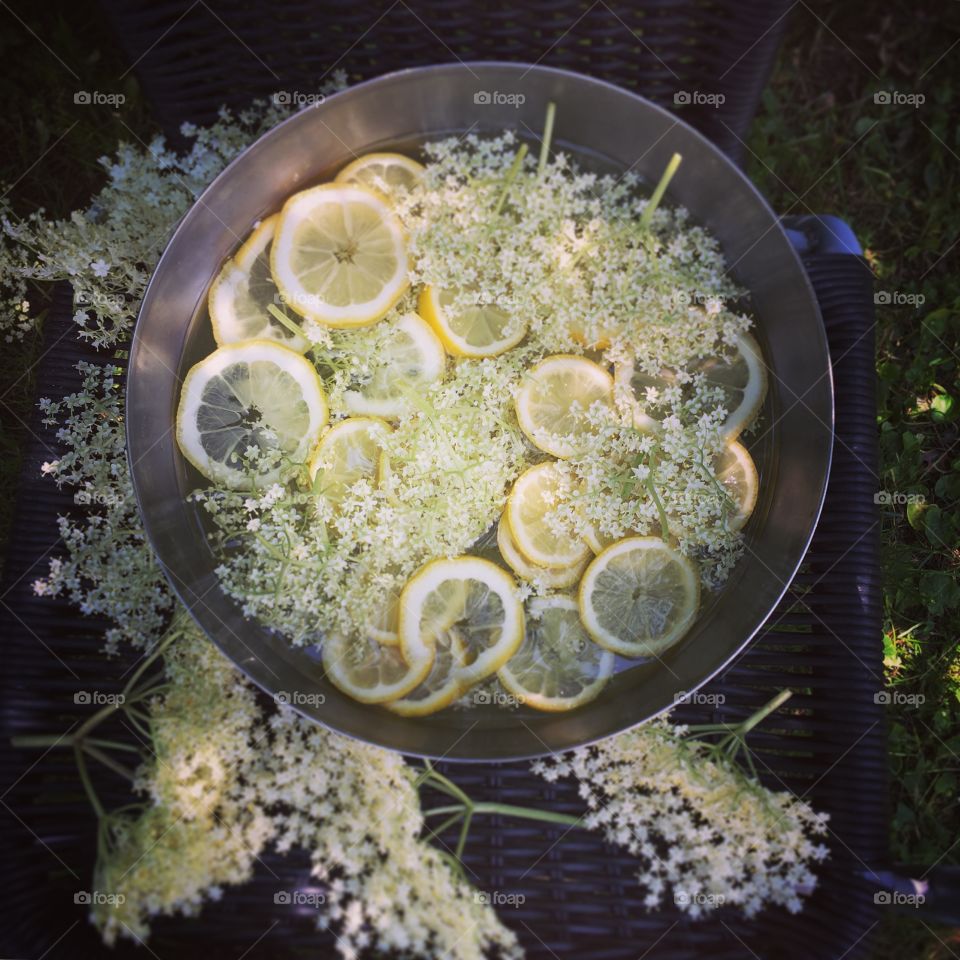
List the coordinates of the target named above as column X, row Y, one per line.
column 108, row 251
column 225, row 783
column 107, row 567
column 701, row 830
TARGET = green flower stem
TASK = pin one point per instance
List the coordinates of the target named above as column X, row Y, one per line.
column 449, row 822
column 659, row 191
column 512, row 174
column 508, row 810
column 87, row 783
column 108, row 761
column 547, row 138
column 282, row 318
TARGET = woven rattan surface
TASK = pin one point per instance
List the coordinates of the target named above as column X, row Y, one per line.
column 580, row 896
column 712, row 55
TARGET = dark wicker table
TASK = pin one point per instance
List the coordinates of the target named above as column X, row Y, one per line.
column 823, row 641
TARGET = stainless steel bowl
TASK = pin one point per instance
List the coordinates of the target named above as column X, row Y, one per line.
column 607, row 129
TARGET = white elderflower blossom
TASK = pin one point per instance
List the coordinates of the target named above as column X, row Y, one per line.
column 698, row 827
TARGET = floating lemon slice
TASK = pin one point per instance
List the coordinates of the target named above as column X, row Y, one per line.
column 349, row 451
column 371, row 672
column 637, row 387
column 338, row 255
column 531, row 501
column 472, row 601
column 442, row 685
column 410, row 359
column 388, row 173
column 383, row 627
column 639, row 596
column 244, row 290
column 558, row 666
column 558, row 578
column 554, row 399
column 736, row 471
column 743, row 380
column 484, row 330
column 600, row 541
column 257, row 395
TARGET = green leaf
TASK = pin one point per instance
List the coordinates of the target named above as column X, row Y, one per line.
column 942, row 408
column 915, row 512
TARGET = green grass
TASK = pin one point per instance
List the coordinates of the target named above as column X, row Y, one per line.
column 820, row 143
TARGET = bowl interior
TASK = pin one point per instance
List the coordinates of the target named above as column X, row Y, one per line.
column 607, row 130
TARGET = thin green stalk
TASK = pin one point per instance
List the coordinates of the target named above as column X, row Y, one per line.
column 281, row 317
column 108, row 761
column 464, row 831
column 449, row 822
column 508, row 810
column 659, row 191
column 512, row 174
column 87, row 783
column 547, row 138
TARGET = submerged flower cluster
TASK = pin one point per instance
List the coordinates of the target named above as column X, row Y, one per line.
column 564, row 254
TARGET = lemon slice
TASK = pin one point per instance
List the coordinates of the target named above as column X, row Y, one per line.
column 243, row 291
column 600, row 541
column 604, row 334
column 383, row 627
column 638, row 389
column 388, row 173
column 558, row 578
column 736, row 471
column 484, row 330
column 442, row 685
column 531, row 501
column 349, row 451
column 743, row 380
column 558, row 666
column 410, row 359
column 639, row 596
column 553, row 402
column 257, row 395
column 338, row 255
column 370, row 672
column 467, row 601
